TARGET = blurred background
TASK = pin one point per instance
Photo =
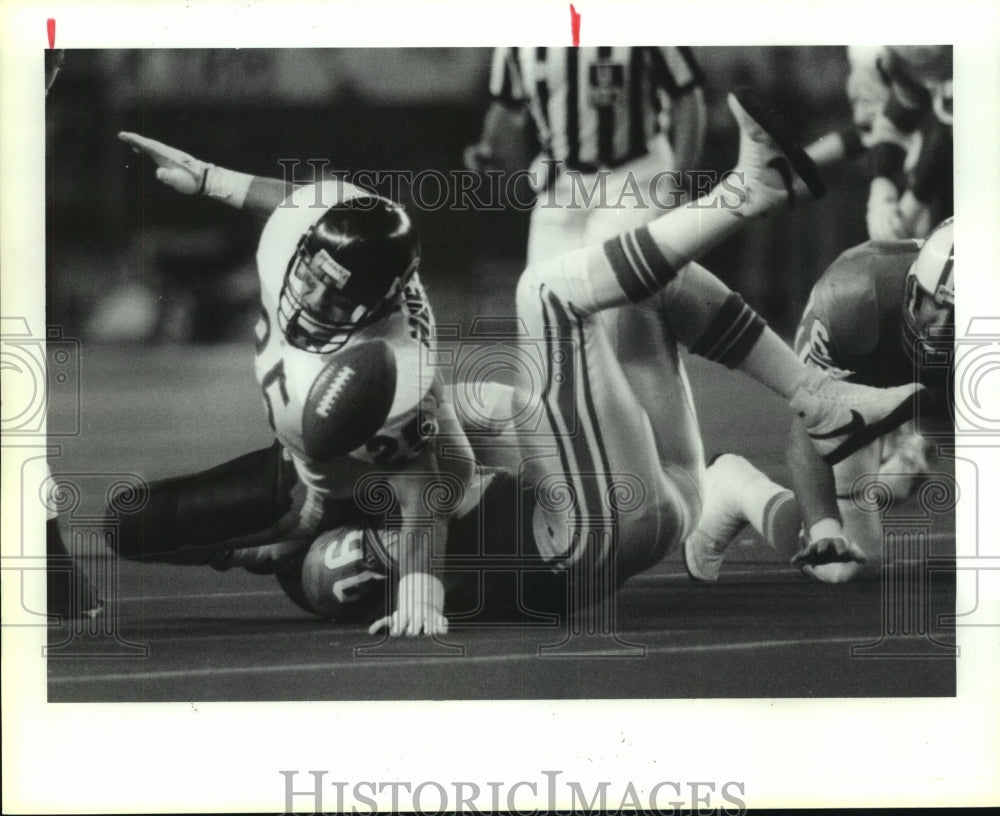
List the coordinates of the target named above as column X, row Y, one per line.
column 130, row 260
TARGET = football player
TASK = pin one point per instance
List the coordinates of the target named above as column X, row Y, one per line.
column 338, row 270
column 882, row 314
column 619, row 405
column 916, row 118
column 622, row 404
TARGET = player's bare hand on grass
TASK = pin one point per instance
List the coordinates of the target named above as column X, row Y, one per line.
column 424, row 620
column 418, row 608
column 175, row 168
column 829, row 551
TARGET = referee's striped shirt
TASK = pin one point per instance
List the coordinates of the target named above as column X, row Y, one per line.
column 594, row 106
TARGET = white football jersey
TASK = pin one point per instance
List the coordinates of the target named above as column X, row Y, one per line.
column 287, row 373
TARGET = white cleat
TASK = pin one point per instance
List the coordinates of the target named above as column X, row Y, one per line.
column 769, row 157
column 721, row 517
column 842, row 417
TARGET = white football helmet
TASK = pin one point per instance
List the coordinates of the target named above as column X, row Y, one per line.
column 929, row 295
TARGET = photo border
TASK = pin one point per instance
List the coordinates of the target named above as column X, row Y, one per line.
column 168, row 757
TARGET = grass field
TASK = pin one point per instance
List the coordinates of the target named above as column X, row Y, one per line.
column 187, row 633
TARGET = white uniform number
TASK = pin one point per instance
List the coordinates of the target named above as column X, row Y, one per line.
column 343, row 555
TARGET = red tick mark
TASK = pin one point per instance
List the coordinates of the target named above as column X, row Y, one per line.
column 51, row 26
column 574, row 24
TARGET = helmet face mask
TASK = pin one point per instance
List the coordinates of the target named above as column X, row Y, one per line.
column 347, row 269
column 312, row 311
column 929, row 298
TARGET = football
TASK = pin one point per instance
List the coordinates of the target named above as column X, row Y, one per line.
column 341, row 577
column 349, row 400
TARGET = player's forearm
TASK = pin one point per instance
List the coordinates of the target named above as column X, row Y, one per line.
column 255, row 194
column 265, row 194
column 416, row 535
column 812, row 479
column 418, row 586
column 413, row 546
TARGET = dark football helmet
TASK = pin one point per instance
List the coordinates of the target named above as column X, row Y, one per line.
column 345, row 270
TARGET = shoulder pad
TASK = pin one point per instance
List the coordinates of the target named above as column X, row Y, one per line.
column 847, row 295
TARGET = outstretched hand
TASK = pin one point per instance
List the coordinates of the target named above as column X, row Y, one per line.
column 175, row 168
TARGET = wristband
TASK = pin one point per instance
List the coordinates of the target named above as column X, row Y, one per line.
column 427, row 587
column 226, row 185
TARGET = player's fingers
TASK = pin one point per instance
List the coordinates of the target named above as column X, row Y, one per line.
column 180, row 179
column 143, row 145
column 379, row 625
column 442, row 625
column 133, row 140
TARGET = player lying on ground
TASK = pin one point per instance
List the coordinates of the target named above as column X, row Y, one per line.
column 217, row 516
column 344, row 323
column 884, row 311
column 607, row 385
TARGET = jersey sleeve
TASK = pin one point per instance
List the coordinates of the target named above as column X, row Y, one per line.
column 841, row 319
column 812, row 338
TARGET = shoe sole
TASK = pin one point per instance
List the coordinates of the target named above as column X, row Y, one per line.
column 764, row 114
column 919, row 400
